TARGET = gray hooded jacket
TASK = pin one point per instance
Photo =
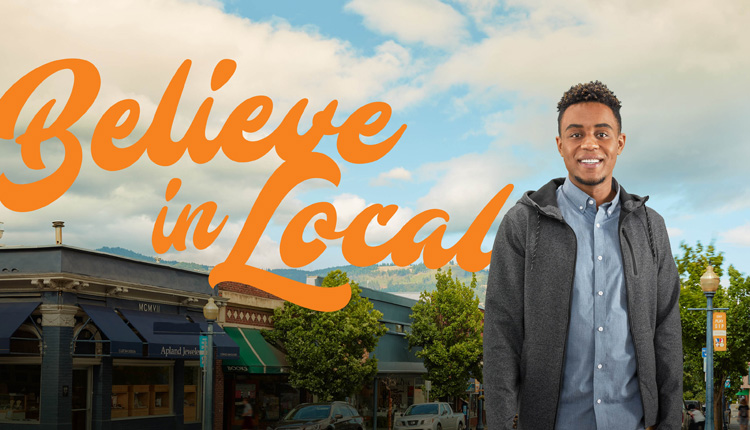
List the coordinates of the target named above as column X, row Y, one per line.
column 527, row 311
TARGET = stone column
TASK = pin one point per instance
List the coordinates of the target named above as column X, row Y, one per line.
column 57, row 366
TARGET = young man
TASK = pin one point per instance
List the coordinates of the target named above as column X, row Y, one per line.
column 582, row 322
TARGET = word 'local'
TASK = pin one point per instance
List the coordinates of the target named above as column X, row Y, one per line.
column 300, row 163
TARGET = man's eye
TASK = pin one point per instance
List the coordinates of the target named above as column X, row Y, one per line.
column 574, row 135
column 602, row 134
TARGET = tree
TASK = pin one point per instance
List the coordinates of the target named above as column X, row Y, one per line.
column 328, row 351
column 447, row 325
column 731, row 364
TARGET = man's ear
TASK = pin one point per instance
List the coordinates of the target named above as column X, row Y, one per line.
column 558, row 141
column 620, row 143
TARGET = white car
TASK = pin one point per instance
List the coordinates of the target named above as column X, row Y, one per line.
column 430, row 416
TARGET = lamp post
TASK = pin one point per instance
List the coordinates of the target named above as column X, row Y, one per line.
column 480, row 406
column 709, row 285
column 211, row 313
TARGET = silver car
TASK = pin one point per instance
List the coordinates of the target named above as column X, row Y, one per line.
column 430, row 416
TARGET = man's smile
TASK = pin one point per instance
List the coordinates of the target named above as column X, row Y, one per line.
column 590, row 162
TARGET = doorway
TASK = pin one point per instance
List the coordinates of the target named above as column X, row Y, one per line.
column 81, row 394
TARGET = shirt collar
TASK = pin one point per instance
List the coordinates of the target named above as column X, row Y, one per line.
column 581, row 200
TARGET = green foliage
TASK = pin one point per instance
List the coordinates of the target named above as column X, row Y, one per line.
column 328, row 351
column 731, row 364
column 447, row 325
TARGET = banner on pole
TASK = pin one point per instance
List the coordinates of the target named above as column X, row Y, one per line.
column 720, row 331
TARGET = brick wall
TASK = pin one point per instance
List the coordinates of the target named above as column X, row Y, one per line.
column 101, row 406
column 57, row 371
column 245, row 289
column 218, row 395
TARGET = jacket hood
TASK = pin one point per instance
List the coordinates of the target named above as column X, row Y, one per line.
column 544, row 200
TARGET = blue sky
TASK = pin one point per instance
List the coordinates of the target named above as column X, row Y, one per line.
column 475, row 81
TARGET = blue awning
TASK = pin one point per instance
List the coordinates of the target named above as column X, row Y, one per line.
column 225, row 346
column 164, row 345
column 122, row 341
column 14, row 315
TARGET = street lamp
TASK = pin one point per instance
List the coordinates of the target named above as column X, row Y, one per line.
column 211, row 313
column 480, row 405
column 709, row 285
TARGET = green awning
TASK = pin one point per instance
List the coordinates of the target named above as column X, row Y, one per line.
column 256, row 355
column 743, row 392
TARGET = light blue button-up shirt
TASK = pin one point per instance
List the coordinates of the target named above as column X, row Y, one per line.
column 600, row 385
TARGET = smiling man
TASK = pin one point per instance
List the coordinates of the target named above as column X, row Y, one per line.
column 582, row 322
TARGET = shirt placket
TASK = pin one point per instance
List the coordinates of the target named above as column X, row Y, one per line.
column 600, row 313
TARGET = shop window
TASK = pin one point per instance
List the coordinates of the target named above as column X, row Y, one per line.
column 19, row 392
column 139, row 391
column 192, row 397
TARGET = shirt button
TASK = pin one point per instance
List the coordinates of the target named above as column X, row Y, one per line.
column 601, row 293
column 598, row 400
column 580, row 207
column 599, row 366
column 601, row 329
column 591, row 202
column 599, row 258
column 598, row 225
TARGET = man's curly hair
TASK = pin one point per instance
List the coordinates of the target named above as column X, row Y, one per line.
column 594, row 91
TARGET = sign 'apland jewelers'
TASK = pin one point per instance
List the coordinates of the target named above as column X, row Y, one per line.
column 300, row 163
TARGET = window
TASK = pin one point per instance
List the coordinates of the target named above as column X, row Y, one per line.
column 25, row 341
column 19, row 392
column 88, row 342
column 141, row 390
column 192, row 397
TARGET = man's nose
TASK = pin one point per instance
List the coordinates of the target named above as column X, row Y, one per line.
column 590, row 143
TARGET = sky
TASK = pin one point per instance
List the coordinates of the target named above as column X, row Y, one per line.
column 476, row 82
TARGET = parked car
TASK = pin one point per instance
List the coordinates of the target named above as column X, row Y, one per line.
column 430, row 416
column 696, row 419
column 322, row 416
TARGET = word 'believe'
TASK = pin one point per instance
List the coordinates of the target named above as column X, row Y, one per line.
column 300, row 163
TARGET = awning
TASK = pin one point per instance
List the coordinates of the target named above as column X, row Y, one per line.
column 226, row 348
column 14, row 314
column 743, row 392
column 256, row 355
column 122, row 341
column 173, row 345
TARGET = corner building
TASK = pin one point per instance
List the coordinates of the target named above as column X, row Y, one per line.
column 92, row 341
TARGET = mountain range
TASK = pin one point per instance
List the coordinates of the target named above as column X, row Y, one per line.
column 383, row 277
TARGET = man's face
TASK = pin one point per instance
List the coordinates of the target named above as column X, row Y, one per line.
column 589, row 143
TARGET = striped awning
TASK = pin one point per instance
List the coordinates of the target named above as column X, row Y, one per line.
column 256, row 355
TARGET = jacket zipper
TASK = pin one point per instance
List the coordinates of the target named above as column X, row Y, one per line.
column 567, row 323
column 630, row 316
column 632, row 254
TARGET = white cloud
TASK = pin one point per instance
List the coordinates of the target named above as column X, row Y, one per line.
column 415, row 21
column 674, row 232
column 465, row 184
column 387, row 178
column 737, row 236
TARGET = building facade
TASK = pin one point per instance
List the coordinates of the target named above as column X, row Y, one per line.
column 94, row 341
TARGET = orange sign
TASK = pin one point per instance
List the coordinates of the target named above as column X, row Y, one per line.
column 720, row 322
column 720, row 331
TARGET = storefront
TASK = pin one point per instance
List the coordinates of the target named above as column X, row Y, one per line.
column 261, row 375
column 400, row 379
column 93, row 341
